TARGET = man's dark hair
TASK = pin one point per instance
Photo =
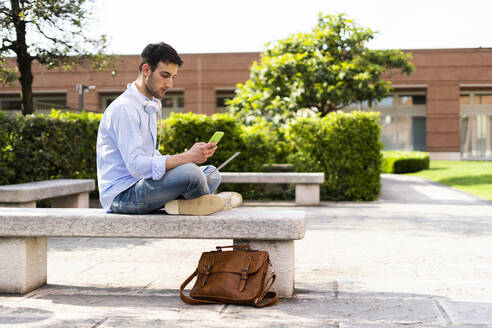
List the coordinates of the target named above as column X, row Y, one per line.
column 157, row 52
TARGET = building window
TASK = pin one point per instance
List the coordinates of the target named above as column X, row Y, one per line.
column 108, row 101
column 483, row 99
column 43, row 103
column 476, row 136
column 108, row 98
column 222, row 96
column 476, row 124
column 409, row 100
column 465, row 99
column 404, row 132
column 168, row 103
column 386, row 101
column 403, row 121
column 172, row 102
column 476, row 98
column 10, row 104
column 222, row 101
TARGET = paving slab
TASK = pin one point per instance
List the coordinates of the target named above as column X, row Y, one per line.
column 420, row 256
column 477, row 313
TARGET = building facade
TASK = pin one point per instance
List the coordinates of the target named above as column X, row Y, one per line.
column 444, row 107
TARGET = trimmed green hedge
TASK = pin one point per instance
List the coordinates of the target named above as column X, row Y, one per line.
column 346, row 147
column 41, row 147
column 404, row 161
column 256, row 143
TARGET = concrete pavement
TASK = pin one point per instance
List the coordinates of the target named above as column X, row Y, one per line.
column 420, row 256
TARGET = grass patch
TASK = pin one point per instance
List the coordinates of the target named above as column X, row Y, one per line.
column 469, row 176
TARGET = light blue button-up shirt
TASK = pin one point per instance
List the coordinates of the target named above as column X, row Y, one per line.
column 126, row 146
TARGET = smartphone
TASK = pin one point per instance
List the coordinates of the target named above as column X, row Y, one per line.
column 216, row 137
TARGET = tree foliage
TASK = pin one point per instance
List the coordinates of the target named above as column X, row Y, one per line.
column 51, row 32
column 318, row 72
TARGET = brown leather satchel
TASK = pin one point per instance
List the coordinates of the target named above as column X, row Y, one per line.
column 235, row 277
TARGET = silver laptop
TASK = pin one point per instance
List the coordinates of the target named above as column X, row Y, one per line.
column 225, row 163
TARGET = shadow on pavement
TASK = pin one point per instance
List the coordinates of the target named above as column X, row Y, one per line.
column 312, row 306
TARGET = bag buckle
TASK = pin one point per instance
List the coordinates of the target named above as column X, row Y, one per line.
column 244, row 278
column 208, row 268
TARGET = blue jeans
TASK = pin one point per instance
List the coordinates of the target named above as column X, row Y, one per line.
column 185, row 181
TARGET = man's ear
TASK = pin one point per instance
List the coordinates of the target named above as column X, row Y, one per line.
column 146, row 70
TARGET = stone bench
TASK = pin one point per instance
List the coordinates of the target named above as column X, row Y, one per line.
column 307, row 184
column 62, row 192
column 24, row 232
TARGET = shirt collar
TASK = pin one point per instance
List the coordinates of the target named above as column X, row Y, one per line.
column 141, row 98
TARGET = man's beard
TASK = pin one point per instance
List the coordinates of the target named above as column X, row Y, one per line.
column 149, row 89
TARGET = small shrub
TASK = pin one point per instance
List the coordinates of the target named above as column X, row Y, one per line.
column 346, row 147
column 404, row 161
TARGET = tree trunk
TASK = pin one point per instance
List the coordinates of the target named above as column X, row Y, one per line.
column 24, row 59
column 326, row 108
column 26, row 79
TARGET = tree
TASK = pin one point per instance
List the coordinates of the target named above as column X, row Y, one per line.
column 321, row 71
column 51, row 32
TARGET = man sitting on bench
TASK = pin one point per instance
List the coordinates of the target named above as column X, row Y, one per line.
column 133, row 176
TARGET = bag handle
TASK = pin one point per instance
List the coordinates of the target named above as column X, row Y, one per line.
column 219, row 248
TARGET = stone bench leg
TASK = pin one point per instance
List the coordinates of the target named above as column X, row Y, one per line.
column 283, row 261
column 22, row 264
column 307, row 194
column 71, row 201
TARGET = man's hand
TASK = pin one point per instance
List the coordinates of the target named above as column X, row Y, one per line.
column 198, row 154
column 200, row 151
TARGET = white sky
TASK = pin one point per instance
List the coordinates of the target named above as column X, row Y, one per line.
column 202, row 26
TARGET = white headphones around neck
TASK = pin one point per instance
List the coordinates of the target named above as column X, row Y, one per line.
column 150, row 107
column 153, row 106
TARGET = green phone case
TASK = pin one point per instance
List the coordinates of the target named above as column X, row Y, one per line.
column 216, row 137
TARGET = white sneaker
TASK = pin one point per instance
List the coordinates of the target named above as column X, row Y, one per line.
column 203, row 205
column 231, row 199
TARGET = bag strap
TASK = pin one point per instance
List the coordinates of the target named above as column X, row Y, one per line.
column 189, row 300
column 271, row 296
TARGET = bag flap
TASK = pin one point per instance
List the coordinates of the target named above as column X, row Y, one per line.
column 232, row 261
